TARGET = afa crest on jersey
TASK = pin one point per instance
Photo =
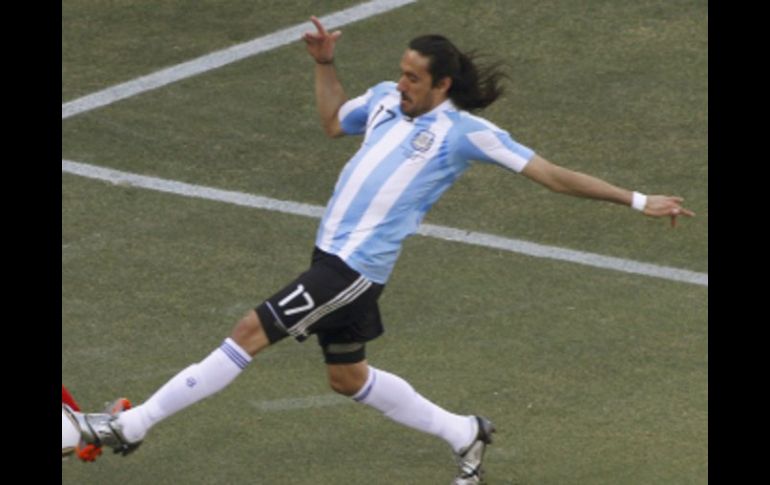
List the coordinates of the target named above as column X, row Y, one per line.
column 423, row 140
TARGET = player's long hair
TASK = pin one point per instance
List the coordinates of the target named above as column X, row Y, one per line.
column 474, row 86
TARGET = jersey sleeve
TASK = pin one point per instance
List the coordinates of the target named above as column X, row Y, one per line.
column 354, row 113
column 488, row 143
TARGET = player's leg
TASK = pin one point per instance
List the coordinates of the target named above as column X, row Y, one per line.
column 199, row 380
column 397, row 400
column 350, row 374
column 123, row 431
column 321, row 290
column 347, row 379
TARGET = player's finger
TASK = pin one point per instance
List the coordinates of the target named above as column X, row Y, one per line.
column 317, row 23
column 681, row 211
column 311, row 37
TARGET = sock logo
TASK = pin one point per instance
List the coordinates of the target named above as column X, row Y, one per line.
column 191, row 382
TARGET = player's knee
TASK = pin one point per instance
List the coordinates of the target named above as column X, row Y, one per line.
column 343, row 386
column 347, row 380
column 249, row 334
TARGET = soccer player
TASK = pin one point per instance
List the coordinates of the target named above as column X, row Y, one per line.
column 419, row 136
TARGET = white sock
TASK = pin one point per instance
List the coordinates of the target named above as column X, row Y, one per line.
column 194, row 383
column 395, row 398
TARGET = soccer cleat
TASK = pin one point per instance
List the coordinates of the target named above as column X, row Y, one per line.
column 70, row 432
column 117, row 406
column 469, row 460
column 88, row 452
column 103, row 429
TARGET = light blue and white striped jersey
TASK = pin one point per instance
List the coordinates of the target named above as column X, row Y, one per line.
column 402, row 168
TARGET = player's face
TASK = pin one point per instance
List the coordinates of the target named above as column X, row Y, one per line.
column 418, row 95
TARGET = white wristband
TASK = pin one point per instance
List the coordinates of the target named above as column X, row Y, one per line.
column 639, row 201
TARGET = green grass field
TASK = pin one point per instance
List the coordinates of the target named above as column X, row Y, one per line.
column 592, row 376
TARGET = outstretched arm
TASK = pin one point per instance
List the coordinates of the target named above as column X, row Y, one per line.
column 328, row 90
column 565, row 181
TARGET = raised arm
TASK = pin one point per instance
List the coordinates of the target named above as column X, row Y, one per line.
column 329, row 94
column 565, row 181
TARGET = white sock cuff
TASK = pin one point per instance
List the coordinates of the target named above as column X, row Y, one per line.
column 234, row 352
column 367, row 388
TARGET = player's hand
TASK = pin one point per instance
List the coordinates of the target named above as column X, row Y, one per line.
column 666, row 205
column 320, row 44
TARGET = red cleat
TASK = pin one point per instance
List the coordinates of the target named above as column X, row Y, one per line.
column 88, row 452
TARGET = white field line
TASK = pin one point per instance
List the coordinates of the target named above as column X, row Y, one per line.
column 430, row 230
column 223, row 57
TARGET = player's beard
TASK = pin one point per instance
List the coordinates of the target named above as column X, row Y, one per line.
column 409, row 108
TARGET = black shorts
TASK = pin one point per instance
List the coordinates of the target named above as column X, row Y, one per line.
column 330, row 300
